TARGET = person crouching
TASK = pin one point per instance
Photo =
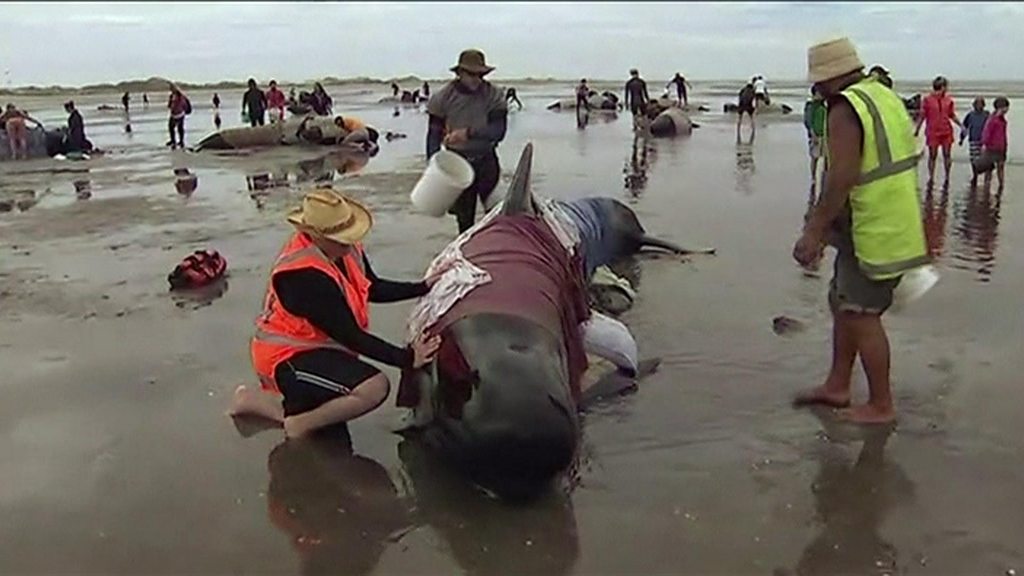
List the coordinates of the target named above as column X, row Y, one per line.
column 313, row 329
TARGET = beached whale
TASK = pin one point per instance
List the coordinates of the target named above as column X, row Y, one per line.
column 671, row 122
column 42, row 143
column 772, row 109
column 501, row 401
column 405, row 97
column 309, row 129
column 664, row 103
column 605, row 102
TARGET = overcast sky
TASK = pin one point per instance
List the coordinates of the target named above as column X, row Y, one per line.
column 74, row 44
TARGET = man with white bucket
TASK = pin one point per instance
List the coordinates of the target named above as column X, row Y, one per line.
column 468, row 116
column 871, row 214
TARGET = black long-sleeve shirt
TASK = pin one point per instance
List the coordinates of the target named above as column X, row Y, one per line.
column 313, row 295
column 636, row 93
column 255, row 101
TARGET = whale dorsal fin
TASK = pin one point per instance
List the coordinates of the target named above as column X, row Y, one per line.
column 519, row 199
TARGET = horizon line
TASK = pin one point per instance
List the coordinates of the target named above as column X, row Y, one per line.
column 377, row 80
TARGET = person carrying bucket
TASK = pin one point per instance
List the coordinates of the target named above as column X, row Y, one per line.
column 468, row 116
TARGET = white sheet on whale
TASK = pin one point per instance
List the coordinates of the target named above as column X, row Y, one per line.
column 460, row 276
column 610, row 339
column 602, row 336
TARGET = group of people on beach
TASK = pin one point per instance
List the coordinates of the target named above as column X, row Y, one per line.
column 986, row 132
column 314, row 327
column 308, row 361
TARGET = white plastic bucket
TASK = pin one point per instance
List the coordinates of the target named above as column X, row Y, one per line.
column 446, row 176
column 914, row 284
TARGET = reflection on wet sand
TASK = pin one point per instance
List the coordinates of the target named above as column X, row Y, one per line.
column 852, row 500
column 636, row 166
column 319, row 170
column 935, row 215
column 83, row 188
column 977, row 229
column 20, row 199
column 339, row 510
column 196, row 298
column 185, row 182
column 745, row 166
column 484, row 535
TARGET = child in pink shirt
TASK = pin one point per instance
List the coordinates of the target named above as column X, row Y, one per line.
column 937, row 111
column 994, row 142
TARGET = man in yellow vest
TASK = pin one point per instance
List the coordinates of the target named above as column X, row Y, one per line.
column 870, row 212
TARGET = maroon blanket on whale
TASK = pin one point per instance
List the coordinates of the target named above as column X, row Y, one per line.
column 532, row 276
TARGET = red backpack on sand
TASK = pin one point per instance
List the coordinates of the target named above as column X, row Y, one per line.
column 198, row 269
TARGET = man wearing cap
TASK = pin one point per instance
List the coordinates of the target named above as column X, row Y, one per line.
column 469, row 115
column 313, row 327
column 871, row 214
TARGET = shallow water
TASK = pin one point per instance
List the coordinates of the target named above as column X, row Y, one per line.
column 116, row 456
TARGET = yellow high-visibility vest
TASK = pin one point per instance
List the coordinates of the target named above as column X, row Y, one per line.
column 888, row 234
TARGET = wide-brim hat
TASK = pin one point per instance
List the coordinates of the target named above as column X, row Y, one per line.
column 474, row 62
column 326, row 213
column 832, row 59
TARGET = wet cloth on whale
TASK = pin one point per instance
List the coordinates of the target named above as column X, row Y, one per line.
column 610, row 339
column 461, row 276
column 531, row 275
column 589, row 217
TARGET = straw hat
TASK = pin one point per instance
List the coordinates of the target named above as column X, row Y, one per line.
column 473, row 61
column 327, row 214
column 832, row 59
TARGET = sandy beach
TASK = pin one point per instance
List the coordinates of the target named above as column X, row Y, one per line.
column 117, row 457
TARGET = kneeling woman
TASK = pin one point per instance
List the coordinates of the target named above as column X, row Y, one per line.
column 313, row 326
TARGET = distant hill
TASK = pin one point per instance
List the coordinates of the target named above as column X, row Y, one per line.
column 158, row 84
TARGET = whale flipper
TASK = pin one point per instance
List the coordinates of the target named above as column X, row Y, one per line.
column 652, row 242
column 519, row 199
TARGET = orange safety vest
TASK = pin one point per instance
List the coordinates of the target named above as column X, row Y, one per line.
column 281, row 334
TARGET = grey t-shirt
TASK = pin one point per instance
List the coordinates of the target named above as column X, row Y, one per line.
column 461, row 109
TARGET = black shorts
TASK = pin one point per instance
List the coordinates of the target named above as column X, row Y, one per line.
column 762, row 97
column 745, row 108
column 486, row 173
column 314, row 377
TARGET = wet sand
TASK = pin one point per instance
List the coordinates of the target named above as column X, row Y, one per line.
column 117, row 457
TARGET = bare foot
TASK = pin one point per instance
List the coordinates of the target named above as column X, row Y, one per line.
column 254, row 402
column 241, row 402
column 822, row 395
column 293, row 428
column 868, row 414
